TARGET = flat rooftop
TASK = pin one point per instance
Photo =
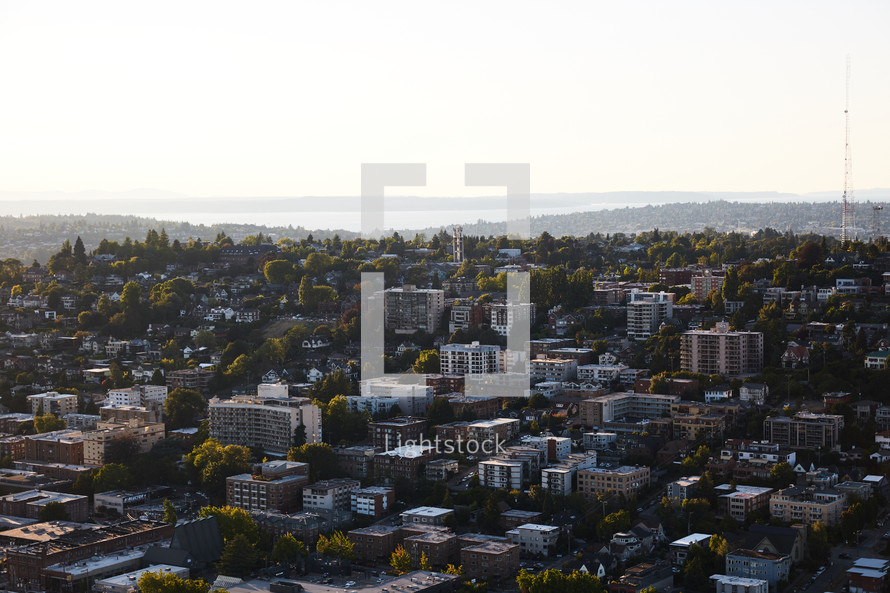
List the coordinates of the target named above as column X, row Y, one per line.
column 415, row 581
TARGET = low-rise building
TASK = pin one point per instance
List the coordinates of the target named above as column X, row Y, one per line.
column 729, row 584
column 502, row 473
column 745, row 500
column 490, row 561
column 679, row 549
column 440, row 547
column 441, row 469
column 535, row 540
column 426, row 516
column 375, row 543
column 868, row 575
column 683, row 488
column 755, row 564
column 29, row 504
column 330, row 495
column 372, row 501
column 627, row 480
column 402, row 462
column 396, row 432
column 271, row 486
column 808, row 505
column 52, row 402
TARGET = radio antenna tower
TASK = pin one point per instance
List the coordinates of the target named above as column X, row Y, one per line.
column 848, row 221
column 875, row 223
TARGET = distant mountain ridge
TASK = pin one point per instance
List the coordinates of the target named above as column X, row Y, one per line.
column 38, row 236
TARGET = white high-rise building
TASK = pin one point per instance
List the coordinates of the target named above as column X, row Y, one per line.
column 719, row 351
column 409, row 309
column 469, row 359
column 646, row 311
column 505, row 315
column 268, row 423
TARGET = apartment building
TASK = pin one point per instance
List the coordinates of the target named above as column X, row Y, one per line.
column 502, row 473
column 756, row 564
column 469, row 359
column 402, row 462
column 372, row 501
column 599, row 440
column 465, row 314
column 60, row 446
column 702, row 285
column 97, row 444
column 646, row 311
column 690, row 427
column 683, row 488
column 721, row 352
column 488, row 433
column 554, row 447
column 413, row 398
column 51, row 402
column 409, row 309
column 64, row 563
column 506, row 315
column 330, row 495
column 129, row 413
column 597, row 411
column 375, row 543
column 440, row 548
column 757, row 452
column 197, row 379
column 552, row 369
column 270, row 486
column 490, row 561
column 535, row 540
column 804, row 431
column 30, row 503
column 628, row 480
column 808, row 505
column 267, row 423
column 722, row 583
column 744, row 500
column 425, row 516
column 679, row 549
column 137, row 395
column 441, row 469
column 396, row 432
column 357, row 461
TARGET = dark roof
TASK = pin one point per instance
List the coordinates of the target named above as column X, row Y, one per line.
column 782, row 538
column 201, row 538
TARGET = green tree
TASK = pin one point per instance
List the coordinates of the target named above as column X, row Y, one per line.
column 427, row 363
column 287, row 548
column 48, row 423
column 306, row 294
column 239, row 557
column 233, row 521
column 299, row 436
column 279, row 271
column 424, row 563
column 112, row 476
column 321, row 459
column 53, row 511
column 613, row 523
column 183, row 407
column 169, row 512
column 400, row 560
column 782, row 475
column 211, row 463
column 337, row 545
column 555, row 581
column 440, row 412
column 160, row 582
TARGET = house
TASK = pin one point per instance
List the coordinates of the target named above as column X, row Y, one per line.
column 795, row 356
column 754, row 393
column 316, row 342
column 779, row 540
column 877, row 360
column 717, row 393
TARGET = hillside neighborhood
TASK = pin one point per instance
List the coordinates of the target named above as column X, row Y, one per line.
column 687, row 412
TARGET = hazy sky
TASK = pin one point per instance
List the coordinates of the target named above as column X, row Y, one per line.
column 289, row 98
